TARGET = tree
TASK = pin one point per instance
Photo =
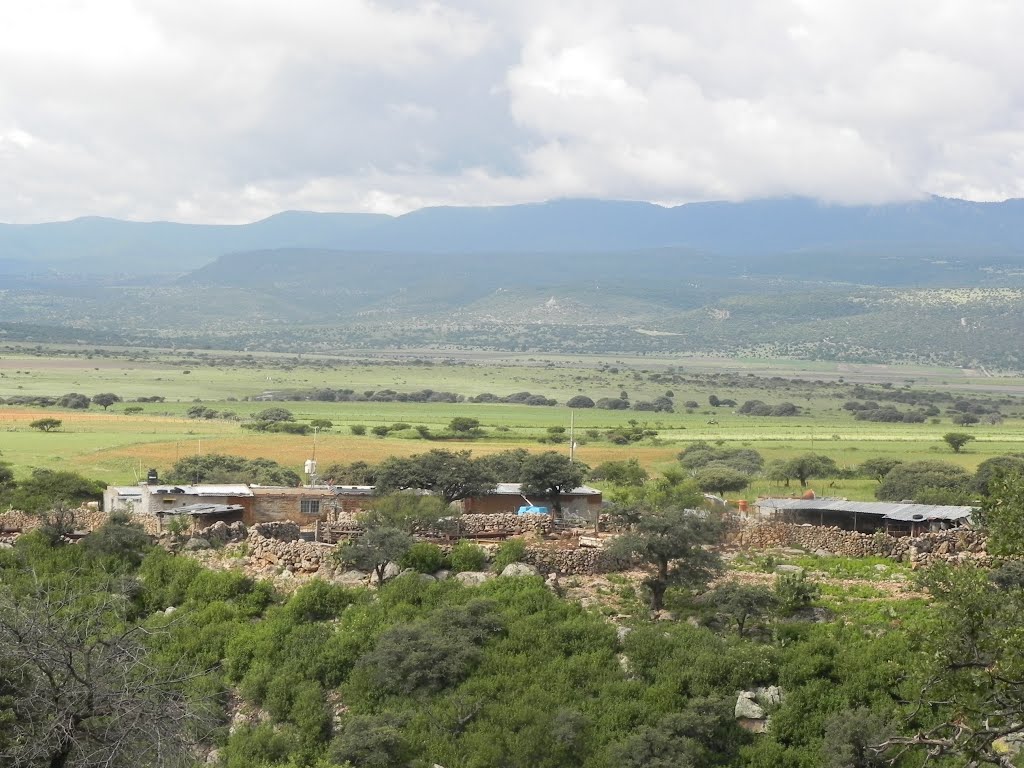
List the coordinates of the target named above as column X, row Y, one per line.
column 878, row 468
column 909, row 480
column 356, row 473
column 274, row 415
column 720, row 479
column 321, row 424
column 452, row 475
column 106, row 399
column 374, row 549
column 46, row 425
column 852, row 737
column 227, row 468
column 809, row 465
column 73, row 400
column 668, row 537
column 507, row 466
column 550, row 475
column 957, row 440
column 86, row 692
column 739, row 603
column 989, row 469
column 965, row 419
column 463, row 424
column 580, row 401
column 1001, row 515
column 627, row 472
column 131, row 410
column 407, row 512
column 47, row 489
column 713, row 401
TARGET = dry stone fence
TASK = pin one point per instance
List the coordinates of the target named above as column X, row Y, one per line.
column 956, row 545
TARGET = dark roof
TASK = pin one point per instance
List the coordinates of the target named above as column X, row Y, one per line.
column 204, row 509
column 887, row 510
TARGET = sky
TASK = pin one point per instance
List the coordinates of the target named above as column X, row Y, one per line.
column 228, row 111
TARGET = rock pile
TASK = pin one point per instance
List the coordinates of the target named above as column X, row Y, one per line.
column 516, row 525
column 577, row 562
column 956, row 545
column 290, row 554
column 279, row 531
column 222, row 533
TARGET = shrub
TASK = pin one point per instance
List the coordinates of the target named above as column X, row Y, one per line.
column 423, row 557
column 509, row 552
column 793, row 592
column 358, row 429
column 467, row 556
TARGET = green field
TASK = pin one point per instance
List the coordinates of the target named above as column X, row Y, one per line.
column 117, row 447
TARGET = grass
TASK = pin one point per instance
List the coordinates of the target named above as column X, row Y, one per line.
column 114, row 446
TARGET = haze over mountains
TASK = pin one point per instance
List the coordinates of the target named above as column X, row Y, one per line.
column 934, row 281
column 756, row 229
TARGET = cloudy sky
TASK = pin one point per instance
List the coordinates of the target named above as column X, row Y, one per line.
column 230, row 110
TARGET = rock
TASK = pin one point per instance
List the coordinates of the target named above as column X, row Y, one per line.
column 286, row 575
column 624, row 663
column 169, row 610
column 442, row 575
column 520, row 569
column 427, row 577
column 195, row 544
column 473, row 578
column 351, row 578
column 391, row 570
column 769, row 697
column 621, row 633
column 213, row 757
column 747, row 707
column 881, row 568
column 408, row 572
column 822, row 553
column 788, row 569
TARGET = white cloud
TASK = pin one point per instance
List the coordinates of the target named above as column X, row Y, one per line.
column 228, row 110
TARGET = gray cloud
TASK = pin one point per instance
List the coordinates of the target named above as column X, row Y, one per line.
column 230, row 110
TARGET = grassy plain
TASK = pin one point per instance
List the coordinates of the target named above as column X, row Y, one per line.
column 118, row 447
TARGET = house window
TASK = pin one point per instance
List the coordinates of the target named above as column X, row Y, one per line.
column 309, row 506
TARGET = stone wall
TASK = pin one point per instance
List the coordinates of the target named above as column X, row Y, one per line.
column 516, row 525
column 956, row 545
column 571, row 562
column 86, row 519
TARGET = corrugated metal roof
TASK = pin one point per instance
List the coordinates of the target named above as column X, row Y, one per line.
column 233, row 489
column 204, row 509
column 516, row 489
column 885, row 509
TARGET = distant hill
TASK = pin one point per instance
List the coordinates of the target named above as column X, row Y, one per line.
column 936, row 227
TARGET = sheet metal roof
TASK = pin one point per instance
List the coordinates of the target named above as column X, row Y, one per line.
column 203, row 509
column 884, row 509
column 225, row 489
column 516, row 489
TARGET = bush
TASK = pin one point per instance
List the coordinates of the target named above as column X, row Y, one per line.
column 509, row 552
column 793, row 592
column 358, row 429
column 467, row 556
column 423, row 557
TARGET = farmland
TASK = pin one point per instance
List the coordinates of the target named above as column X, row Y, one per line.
column 117, row 447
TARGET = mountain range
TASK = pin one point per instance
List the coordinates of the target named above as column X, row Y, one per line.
column 755, row 229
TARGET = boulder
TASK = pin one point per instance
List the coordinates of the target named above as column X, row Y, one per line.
column 788, row 569
column 197, row 543
column 769, row 697
column 351, row 578
column 474, row 578
column 391, row 570
column 747, row 707
column 622, row 632
column 442, row 575
column 519, row 569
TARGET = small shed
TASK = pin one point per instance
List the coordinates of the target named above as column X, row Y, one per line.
column 203, row 515
column 896, row 518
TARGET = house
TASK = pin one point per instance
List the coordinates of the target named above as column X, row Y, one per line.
column 896, row 518
column 307, row 504
column 248, row 503
column 509, row 498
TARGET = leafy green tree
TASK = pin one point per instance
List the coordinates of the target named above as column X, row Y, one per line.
column 73, row 400
column 992, row 468
column 357, row 429
column 46, row 489
column 106, row 399
column 910, row 480
column 226, row 468
column 356, row 473
column 370, row 741
column 580, row 401
column 957, row 440
column 507, row 466
column 1002, row 515
column 627, row 472
column 321, row 424
column 451, row 475
column 119, row 538
column 803, row 468
column 374, row 549
column 721, row 479
column 407, row 512
column 550, row 475
column 46, row 425
column 878, row 468
column 852, row 737
column 274, row 415
column 740, row 603
column 700, row 735
column 464, row 424
column 669, row 538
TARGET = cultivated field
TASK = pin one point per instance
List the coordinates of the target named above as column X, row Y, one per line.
column 119, row 447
